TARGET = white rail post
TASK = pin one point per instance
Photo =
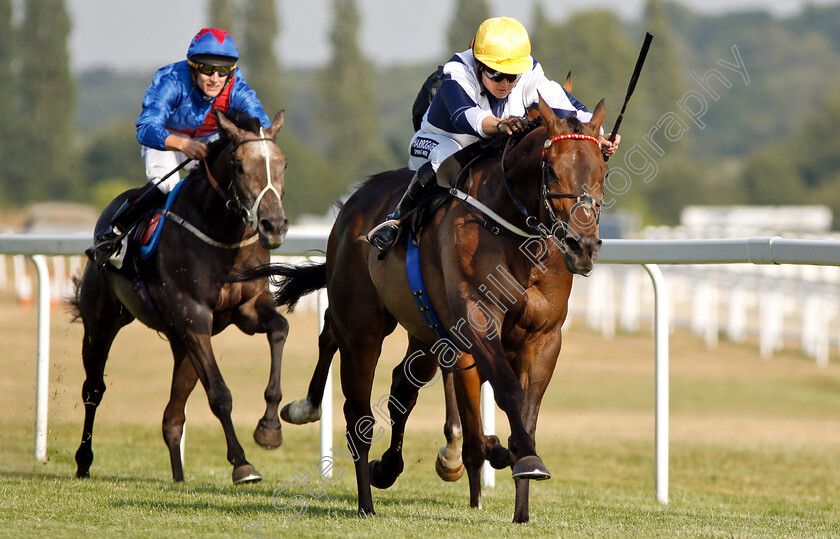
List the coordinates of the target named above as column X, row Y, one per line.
column 42, row 383
column 660, row 335
column 488, row 425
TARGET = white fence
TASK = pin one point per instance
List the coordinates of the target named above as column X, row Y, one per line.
column 647, row 253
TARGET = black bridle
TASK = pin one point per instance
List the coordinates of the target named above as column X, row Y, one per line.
column 582, row 200
column 233, row 203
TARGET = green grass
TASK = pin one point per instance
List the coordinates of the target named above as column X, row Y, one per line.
column 754, row 452
column 600, row 488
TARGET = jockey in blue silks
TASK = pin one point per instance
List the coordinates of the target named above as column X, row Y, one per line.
column 176, row 124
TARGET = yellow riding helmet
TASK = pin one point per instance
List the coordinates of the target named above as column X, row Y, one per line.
column 502, row 43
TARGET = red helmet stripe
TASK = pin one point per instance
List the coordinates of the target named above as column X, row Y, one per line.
column 217, row 33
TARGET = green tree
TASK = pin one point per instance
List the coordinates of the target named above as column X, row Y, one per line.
column 771, row 176
column 223, row 14
column 663, row 81
column 802, row 167
column 47, row 96
column 259, row 61
column 112, row 159
column 469, row 14
column 8, row 96
column 347, row 109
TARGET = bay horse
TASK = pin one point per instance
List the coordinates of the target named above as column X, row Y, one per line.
column 500, row 292
column 227, row 216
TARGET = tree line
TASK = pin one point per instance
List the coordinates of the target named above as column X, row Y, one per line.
column 762, row 142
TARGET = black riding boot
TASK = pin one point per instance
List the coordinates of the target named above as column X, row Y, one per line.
column 385, row 234
column 107, row 240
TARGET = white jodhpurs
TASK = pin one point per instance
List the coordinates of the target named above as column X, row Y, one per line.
column 430, row 147
column 159, row 163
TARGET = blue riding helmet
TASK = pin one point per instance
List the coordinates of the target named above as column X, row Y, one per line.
column 214, row 47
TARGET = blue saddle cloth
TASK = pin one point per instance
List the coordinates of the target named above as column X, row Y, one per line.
column 149, row 248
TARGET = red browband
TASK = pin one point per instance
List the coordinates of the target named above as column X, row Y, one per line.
column 568, row 136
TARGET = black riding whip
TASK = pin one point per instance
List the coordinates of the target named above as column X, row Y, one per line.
column 632, row 86
column 160, row 180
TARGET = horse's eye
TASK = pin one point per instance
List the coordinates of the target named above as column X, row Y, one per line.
column 237, row 168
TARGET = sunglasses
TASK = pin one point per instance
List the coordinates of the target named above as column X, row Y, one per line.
column 208, row 70
column 498, row 76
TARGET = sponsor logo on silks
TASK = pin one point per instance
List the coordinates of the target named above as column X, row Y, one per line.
column 420, row 147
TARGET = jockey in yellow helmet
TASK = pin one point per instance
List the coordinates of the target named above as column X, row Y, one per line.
column 485, row 90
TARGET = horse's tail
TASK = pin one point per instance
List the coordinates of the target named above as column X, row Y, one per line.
column 291, row 282
column 73, row 302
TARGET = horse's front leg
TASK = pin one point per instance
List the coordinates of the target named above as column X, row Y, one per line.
column 478, row 330
column 537, row 363
column 268, row 433
column 467, row 389
column 218, row 395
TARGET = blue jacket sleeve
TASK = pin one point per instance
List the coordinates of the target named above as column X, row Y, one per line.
column 452, row 116
column 243, row 98
column 161, row 99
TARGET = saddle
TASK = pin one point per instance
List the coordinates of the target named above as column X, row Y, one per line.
column 142, row 240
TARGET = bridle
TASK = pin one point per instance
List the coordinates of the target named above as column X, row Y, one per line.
column 234, row 204
column 584, row 200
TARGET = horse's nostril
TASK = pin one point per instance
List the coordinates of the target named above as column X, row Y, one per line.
column 573, row 246
column 267, row 226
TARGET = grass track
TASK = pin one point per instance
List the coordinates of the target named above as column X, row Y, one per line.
column 755, row 447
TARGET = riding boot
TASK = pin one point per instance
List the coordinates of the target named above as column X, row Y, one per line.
column 384, row 235
column 107, row 240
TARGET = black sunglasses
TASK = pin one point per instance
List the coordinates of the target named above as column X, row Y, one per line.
column 207, row 69
column 497, row 76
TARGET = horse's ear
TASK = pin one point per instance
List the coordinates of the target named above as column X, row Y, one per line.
column 545, row 111
column 598, row 115
column 568, row 84
column 236, row 134
column 276, row 124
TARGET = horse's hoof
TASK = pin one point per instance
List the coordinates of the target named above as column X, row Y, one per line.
column 530, row 467
column 499, row 457
column 378, row 476
column 245, row 474
column 365, row 513
column 300, row 414
column 268, row 438
column 448, row 474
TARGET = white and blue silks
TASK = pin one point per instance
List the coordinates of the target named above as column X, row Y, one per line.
column 454, row 117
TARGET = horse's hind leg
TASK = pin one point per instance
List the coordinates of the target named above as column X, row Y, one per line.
column 308, row 409
column 183, row 382
column 268, row 433
column 102, row 317
column 449, row 465
column 408, row 377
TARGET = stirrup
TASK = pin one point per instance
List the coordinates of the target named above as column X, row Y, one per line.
column 102, row 250
column 374, row 237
